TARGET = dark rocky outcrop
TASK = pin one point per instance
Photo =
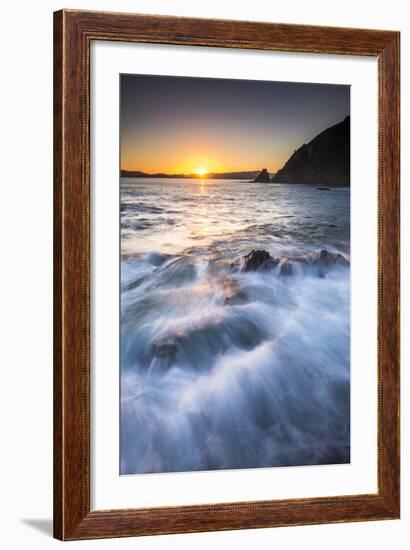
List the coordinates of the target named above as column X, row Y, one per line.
column 325, row 258
column 324, row 160
column 263, row 176
column 258, row 260
column 321, row 261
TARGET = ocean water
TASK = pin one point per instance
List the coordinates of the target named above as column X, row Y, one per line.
column 225, row 368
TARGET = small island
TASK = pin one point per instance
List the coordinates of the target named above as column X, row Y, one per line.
column 263, row 176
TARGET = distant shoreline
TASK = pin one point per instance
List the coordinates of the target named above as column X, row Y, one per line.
column 245, row 175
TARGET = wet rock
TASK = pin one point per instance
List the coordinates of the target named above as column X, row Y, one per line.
column 177, row 273
column 134, row 284
column 238, row 297
column 258, row 260
column 231, row 291
column 157, row 259
column 324, row 258
column 166, row 349
column 285, row 268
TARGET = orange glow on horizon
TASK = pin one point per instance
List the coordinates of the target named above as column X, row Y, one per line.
column 209, row 165
column 201, row 172
column 182, row 160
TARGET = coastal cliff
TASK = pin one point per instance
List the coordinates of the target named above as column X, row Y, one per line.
column 323, row 161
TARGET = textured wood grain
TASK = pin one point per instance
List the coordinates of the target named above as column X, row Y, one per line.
column 58, row 279
column 73, row 33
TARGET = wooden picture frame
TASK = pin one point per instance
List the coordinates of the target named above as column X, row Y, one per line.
column 74, row 32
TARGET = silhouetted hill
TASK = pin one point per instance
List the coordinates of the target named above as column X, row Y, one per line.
column 324, row 161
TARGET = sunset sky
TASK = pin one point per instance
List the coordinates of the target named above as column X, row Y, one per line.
column 186, row 125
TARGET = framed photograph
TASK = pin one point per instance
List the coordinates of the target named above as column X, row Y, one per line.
column 226, row 275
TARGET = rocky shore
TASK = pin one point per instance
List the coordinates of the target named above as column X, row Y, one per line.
column 321, row 261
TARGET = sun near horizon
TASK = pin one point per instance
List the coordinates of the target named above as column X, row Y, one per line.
column 201, row 172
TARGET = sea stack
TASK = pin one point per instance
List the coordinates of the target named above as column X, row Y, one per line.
column 263, row 176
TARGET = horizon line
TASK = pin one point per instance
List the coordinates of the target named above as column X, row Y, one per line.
column 195, row 173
